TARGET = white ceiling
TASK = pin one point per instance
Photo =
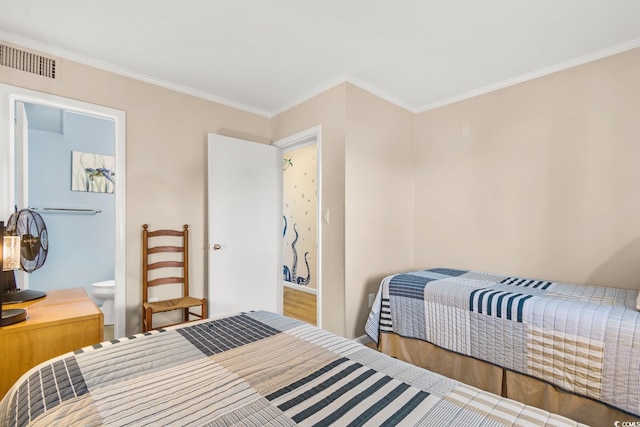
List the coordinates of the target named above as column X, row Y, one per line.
column 265, row 56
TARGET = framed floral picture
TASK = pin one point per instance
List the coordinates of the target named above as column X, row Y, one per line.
column 92, row 172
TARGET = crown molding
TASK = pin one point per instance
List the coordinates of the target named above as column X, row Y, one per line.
column 335, row 82
column 533, row 75
column 92, row 62
column 379, row 93
column 45, row 48
column 310, row 94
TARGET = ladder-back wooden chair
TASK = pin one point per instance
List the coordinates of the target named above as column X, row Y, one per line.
column 154, row 262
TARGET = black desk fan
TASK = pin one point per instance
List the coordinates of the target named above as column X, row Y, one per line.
column 34, row 244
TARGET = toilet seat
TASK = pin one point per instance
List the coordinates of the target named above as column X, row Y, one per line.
column 106, row 287
column 105, row 284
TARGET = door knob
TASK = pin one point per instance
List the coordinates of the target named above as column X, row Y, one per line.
column 216, row 247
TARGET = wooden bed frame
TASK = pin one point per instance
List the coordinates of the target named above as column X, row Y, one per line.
column 503, row 382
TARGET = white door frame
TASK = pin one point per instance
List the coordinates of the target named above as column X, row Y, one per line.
column 301, row 139
column 8, row 97
column 21, row 153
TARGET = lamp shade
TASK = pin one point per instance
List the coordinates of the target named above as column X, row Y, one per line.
column 11, row 253
column 10, row 259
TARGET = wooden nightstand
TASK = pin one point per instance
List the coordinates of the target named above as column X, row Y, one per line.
column 63, row 321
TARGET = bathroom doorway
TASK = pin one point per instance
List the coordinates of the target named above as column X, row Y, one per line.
column 301, row 282
column 75, row 210
column 69, row 179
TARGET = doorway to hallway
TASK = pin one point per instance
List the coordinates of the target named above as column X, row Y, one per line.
column 300, row 225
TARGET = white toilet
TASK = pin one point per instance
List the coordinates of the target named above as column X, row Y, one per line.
column 104, row 292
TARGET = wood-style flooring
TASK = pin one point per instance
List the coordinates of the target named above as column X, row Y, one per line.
column 299, row 305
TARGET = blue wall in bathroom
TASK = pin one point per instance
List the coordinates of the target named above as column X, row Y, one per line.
column 81, row 246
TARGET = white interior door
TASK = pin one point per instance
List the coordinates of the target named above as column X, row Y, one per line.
column 244, row 226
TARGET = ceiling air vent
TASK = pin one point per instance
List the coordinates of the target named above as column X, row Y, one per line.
column 26, row 61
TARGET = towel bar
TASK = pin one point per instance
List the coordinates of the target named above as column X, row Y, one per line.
column 68, row 210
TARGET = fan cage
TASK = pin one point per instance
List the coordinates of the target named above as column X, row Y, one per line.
column 34, row 242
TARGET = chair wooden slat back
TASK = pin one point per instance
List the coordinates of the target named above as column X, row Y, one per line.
column 185, row 302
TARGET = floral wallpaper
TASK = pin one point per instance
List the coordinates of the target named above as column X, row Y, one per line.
column 300, row 211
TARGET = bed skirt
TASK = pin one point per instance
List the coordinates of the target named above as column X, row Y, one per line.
column 500, row 381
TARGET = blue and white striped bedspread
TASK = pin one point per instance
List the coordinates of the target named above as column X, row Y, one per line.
column 583, row 339
column 252, row 369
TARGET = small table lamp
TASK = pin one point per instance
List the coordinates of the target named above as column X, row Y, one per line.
column 10, row 257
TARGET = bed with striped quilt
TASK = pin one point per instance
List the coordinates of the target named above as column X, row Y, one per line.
column 249, row 369
column 582, row 339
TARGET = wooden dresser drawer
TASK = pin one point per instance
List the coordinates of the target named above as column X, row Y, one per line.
column 63, row 321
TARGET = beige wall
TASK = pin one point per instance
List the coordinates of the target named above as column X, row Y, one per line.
column 538, row 179
column 367, row 185
column 379, row 189
column 328, row 110
column 541, row 179
column 166, row 156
